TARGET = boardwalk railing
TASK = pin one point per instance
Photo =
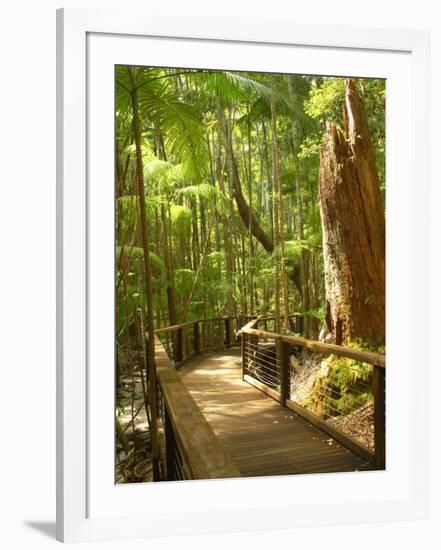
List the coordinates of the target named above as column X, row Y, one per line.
column 186, row 340
column 189, row 447
column 269, row 363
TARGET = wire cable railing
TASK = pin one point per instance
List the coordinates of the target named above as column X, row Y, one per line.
column 185, row 340
column 340, row 390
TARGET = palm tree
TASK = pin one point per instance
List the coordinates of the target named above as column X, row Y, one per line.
column 154, row 102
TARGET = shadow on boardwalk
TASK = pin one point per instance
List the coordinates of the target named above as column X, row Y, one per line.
column 262, row 437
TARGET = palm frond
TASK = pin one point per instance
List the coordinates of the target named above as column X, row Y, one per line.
column 180, row 217
column 207, row 192
column 137, row 253
column 182, row 127
column 164, row 175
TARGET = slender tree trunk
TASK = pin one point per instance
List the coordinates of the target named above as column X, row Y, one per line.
column 227, row 235
column 268, row 203
column 280, row 217
column 247, row 164
column 195, row 235
column 276, row 264
column 304, row 256
column 147, row 276
column 353, row 229
column 171, row 295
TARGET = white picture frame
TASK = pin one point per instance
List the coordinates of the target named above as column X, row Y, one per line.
column 85, row 509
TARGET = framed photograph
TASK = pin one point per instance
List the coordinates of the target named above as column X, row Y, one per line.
column 240, row 290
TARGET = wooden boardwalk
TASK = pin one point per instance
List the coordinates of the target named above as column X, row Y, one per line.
column 262, row 437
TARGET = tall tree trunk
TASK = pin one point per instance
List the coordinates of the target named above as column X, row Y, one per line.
column 304, row 256
column 280, row 220
column 353, row 228
column 249, row 178
column 194, row 232
column 268, row 202
column 227, row 235
column 137, row 130
column 171, row 295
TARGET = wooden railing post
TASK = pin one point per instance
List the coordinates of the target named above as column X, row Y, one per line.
column 179, row 345
column 244, row 354
column 283, row 352
column 196, row 340
column 380, row 417
column 227, row 332
column 170, row 447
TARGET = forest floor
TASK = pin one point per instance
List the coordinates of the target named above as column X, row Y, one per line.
column 359, row 424
column 136, row 466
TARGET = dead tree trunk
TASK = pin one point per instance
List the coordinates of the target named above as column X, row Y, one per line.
column 353, row 228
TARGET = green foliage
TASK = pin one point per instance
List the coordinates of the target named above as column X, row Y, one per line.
column 184, row 280
column 232, row 87
column 310, row 148
column 315, row 313
column 163, row 175
column 162, row 108
column 204, row 139
column 146, row 150
column 326, row 99
column 181, row 218
column 187, row 116
column 185, row 138
column 206, row 192
column 216, row 257
column 294, row 248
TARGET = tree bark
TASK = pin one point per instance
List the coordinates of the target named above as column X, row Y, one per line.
column 227, row 234
column 137, row 130
column 280, row 216
column 353, row 228
column 171, row 294
column 247, row 215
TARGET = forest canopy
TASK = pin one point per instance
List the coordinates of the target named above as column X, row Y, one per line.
column 230, row 168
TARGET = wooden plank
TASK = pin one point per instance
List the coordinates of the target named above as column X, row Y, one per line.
column 172, row 328
column 202, row 453
column 261, row 437
column 248, row 326
column 347, row 441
